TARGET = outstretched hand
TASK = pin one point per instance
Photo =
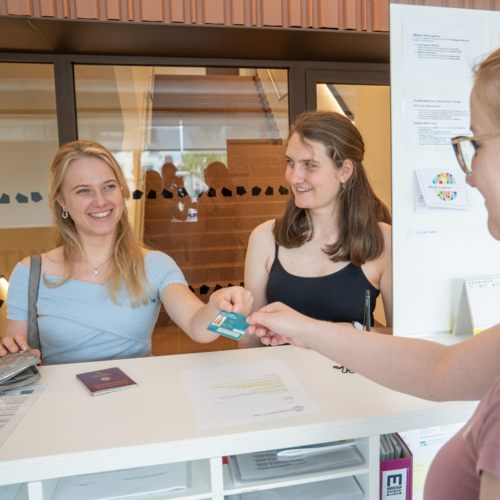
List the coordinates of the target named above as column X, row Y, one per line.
column 233, row 299
column 278, row 324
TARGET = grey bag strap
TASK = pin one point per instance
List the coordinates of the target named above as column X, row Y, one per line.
column 35, row 271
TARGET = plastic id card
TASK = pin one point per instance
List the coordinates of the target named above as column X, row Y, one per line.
column 232, row 325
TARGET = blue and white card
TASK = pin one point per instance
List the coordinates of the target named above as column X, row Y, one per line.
column 232, row 325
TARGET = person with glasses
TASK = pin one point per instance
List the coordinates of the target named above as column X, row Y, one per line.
column 468, row 466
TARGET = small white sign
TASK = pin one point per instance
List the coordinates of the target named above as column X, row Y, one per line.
column 394, row 484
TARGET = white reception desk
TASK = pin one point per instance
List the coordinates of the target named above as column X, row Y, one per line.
column 67, row 432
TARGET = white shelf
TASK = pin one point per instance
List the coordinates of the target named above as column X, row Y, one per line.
column 279, row 482
column 104, row 440
column 199, row 486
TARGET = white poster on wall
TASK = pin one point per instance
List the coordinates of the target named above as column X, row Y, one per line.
column 437, row 46
column 432, row 117
column 495, row 35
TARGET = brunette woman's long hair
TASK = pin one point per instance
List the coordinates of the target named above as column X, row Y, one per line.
column 359, row 210
column 129, row 275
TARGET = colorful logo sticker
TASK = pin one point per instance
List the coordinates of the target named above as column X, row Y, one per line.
column 446, row 195
column 443, row 178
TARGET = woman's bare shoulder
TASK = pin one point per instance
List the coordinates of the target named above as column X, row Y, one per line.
column 264, row 232
column 55, row 256
column 261, row 243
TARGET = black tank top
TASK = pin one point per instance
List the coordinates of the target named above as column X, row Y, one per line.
column 337, row 297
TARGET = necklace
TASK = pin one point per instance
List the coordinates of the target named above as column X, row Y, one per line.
column 96, row 269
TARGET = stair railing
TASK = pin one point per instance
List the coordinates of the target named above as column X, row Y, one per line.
column 275, row 87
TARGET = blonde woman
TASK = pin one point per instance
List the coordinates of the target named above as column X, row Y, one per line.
column 100, row 291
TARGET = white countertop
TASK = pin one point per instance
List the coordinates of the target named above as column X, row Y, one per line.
column 68, row 428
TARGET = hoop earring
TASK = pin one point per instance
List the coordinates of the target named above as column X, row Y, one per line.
column 64, row 214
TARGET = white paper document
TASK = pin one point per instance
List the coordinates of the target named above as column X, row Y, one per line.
column 433, row 117
column 267, row 465
column 440, row 46
column 14, row 404
column 344, row 488
column 424, row 445
column 123, row 483
column 437, row 189
column 314, row 449
column 10, row 491
column 245, row 392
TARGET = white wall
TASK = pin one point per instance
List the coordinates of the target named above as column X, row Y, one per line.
column 429, row 270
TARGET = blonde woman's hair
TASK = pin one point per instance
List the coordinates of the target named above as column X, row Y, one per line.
column 129, row 274
column 487, row 74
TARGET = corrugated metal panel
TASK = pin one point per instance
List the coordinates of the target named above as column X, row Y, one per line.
column 355, row 15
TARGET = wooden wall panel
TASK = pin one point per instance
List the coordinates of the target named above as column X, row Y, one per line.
column 353, row 15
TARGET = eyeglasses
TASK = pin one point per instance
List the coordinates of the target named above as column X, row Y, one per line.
column 466, row 149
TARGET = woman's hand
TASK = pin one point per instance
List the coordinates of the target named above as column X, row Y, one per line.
column 233, row 299
column 193, row 316
column 278, row 324
column 16, row 344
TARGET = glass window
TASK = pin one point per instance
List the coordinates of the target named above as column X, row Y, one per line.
column 28, row 143
column 369, row 108
column 203, row 148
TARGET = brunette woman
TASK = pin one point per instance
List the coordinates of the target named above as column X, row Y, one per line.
column 333, row 242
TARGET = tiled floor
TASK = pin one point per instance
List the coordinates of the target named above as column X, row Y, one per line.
column 172, row 340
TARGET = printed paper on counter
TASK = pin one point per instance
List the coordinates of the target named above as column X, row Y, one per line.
column 245, row 392
column 436, row 46
column 441, row 189
column 14, row 404
column 433, row 117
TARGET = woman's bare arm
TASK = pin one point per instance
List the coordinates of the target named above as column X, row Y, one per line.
column 464, row 371
column 260, row 253
column 193, row 316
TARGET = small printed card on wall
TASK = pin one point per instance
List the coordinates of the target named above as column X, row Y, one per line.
column 232, row 325
column 437, row 189
column 479, row 306
column 105, row 381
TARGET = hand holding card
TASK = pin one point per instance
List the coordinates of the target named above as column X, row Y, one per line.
column 231, row 325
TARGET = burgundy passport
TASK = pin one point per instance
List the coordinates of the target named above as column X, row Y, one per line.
column 105, row 381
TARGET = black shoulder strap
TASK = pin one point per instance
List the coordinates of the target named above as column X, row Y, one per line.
column 35, row 271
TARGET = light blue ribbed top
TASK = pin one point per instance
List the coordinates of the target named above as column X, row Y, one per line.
column 79, row 322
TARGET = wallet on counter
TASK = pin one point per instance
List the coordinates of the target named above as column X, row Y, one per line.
column 18, row 369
